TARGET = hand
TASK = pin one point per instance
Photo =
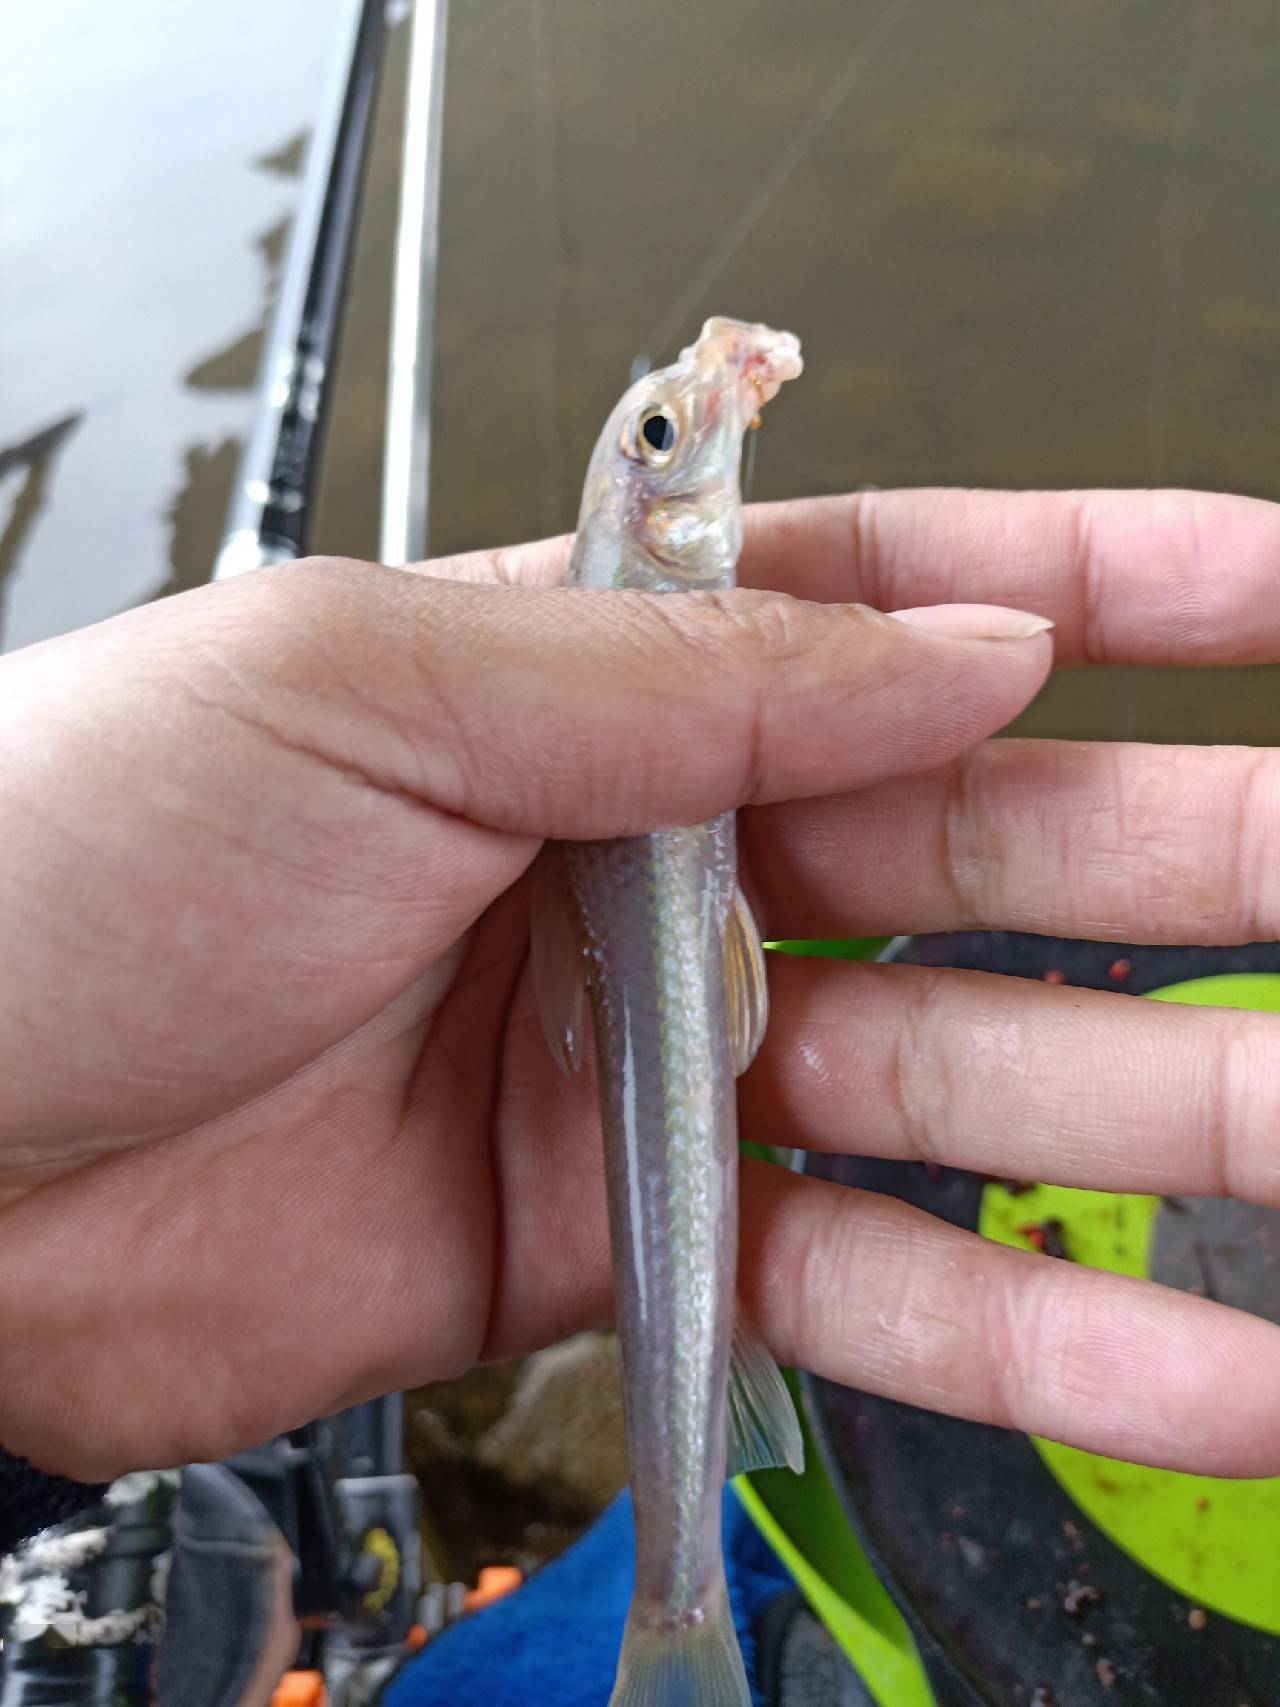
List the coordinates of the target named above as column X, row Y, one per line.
column 278, row 1130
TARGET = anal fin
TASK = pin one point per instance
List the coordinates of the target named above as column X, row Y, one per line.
column 764, row 1430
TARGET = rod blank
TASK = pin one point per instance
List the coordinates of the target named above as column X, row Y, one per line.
column 407, row 452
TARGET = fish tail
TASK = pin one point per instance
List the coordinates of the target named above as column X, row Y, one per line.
column 693, row 1665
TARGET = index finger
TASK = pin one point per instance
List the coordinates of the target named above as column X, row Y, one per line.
column 1161, row 577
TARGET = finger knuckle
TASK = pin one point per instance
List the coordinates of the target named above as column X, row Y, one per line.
column 918, row 1079
column 769, row 628
column 828, row 1268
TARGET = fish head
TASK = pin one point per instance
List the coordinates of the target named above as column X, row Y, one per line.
column 663, row 493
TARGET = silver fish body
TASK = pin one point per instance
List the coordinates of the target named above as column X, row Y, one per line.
column 662, row 941
column 654, row 911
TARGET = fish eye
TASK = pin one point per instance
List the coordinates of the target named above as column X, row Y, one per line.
column 657, row 434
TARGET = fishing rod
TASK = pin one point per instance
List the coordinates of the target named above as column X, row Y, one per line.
column 337, row 1489
column 407, row 444
column 272, row 503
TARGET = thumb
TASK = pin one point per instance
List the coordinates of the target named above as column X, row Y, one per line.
column 573, row 713
column 251, row 815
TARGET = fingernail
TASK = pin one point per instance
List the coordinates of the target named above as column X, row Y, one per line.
column 974, row 622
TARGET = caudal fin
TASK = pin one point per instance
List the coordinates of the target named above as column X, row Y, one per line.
column 699, row 1665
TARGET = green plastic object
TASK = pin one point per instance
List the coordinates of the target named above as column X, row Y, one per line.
column 803, row 1521
column 835, row 948
column 1211, row 1539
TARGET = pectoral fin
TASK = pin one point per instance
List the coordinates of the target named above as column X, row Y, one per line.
column 746, row 985
column 557, row 959
column 764, row 1430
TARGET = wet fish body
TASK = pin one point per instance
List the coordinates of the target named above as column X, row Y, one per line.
column 654, row 930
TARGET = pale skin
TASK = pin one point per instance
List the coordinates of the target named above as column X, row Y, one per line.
column 278, row 1129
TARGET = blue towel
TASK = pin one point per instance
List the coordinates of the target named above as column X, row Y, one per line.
column 556, row 1640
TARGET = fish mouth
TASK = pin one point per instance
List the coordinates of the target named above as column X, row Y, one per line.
column 763, row 359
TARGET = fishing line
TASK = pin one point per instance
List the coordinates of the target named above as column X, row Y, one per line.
column 749, row 463
column 788, row 161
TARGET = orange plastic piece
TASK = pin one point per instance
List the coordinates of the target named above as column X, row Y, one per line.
column 494, row 1583
column 417, row 1638
column 299, row 1689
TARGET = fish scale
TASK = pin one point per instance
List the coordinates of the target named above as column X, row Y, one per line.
column 656, row 997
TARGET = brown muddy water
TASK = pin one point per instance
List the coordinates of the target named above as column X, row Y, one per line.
column 1024, row 245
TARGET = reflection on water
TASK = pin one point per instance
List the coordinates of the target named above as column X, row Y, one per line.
column 132, row 205
column 198, row 511
column 30, row 463
column 1024, row 246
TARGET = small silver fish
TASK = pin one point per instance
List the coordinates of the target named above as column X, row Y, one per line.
column 655, row 929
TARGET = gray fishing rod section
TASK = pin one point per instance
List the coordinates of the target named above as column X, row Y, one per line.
column 407, row 443
column 271, row 507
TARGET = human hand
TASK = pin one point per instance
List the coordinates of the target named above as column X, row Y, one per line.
column 278, row 1129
